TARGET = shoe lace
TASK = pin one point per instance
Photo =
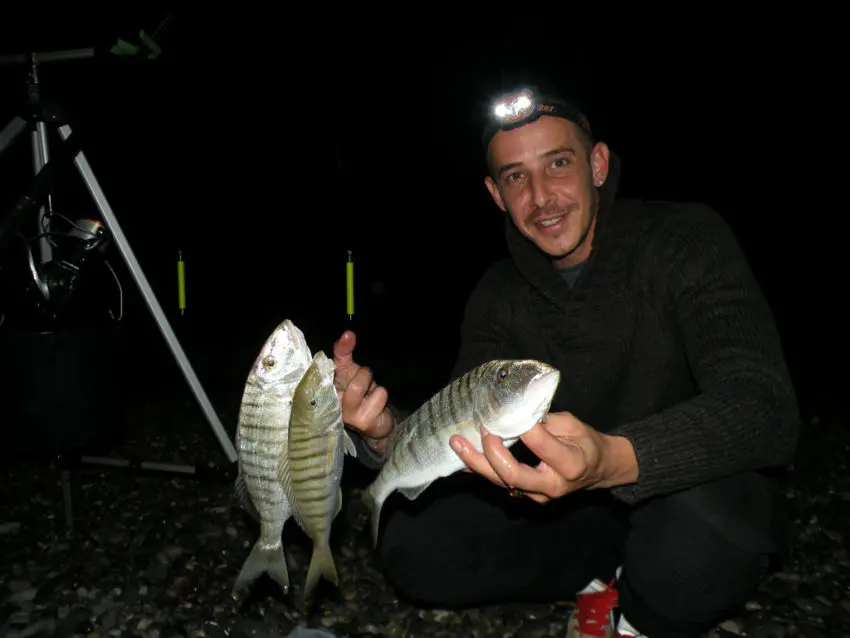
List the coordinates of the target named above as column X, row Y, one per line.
column 593, row 610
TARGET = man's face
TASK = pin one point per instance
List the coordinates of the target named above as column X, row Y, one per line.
column 545, row 182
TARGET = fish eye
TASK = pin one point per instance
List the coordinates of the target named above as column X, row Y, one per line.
column 503, row 373
column 269, row 362
column 312, row 403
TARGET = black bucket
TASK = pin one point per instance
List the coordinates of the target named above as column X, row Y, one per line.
column 60, row 391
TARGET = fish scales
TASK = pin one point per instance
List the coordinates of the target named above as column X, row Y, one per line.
column 261, row 442
column 316, row 449
column 451, row 407
column 507, row 397
column 317, row 457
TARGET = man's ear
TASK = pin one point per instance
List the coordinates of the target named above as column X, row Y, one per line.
column 495, row 193
column 599, row 163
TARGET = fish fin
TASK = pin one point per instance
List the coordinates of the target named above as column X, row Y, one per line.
column 263, row 559
column 243, row 497
column 283, row 475
column 412, row 492
column 350, row 447
column 371, row 503
column 338, row 502
column 321, row 564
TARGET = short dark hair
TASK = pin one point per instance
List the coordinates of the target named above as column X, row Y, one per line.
column 583, row 130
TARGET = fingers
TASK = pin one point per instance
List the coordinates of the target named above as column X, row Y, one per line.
column 565, row 457
column 370, row 415
column 356, row 390
column 512, row 473
column 362, row 400
column 499, row 458
column 344, row 366
column 481, row 464
column 363, row 403
column 343, row 347
column 474, row 460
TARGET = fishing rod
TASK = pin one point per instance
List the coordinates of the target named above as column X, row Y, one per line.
column 53, row 280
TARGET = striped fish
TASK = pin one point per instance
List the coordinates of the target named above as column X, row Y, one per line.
column 261, row 440
column 508, row 397
column 317, row 444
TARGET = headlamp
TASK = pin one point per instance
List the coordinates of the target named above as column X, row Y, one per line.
column 514, row 108
column 523, row 107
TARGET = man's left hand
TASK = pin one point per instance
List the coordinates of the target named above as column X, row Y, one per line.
column 572, row 456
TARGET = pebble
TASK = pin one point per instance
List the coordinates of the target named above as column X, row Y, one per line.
column 153, row 557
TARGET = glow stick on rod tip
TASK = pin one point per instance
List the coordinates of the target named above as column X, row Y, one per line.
column 181, row 282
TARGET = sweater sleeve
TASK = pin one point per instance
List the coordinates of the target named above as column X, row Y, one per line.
column 366, row 455
column 745, row 415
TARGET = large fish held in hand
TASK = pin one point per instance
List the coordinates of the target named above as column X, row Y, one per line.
column 261, row 441
column 507, row 397
column 318, row 442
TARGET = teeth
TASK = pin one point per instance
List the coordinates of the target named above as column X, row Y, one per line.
column 550, row 222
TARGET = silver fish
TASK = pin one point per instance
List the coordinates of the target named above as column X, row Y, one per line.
column 317, row 444
column 507, row 397
column 261, row 441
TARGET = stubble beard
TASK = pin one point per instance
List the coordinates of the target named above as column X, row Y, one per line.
column 584, row 233
column 594, row 208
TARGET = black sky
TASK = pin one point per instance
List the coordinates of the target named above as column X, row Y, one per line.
column 229, row 147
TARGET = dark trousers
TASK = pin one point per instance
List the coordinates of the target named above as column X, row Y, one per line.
column 689, row 559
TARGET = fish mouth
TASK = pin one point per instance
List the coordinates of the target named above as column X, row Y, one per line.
column 294, row 334
column 296, row 340
column 541, row 390
column 324, row 364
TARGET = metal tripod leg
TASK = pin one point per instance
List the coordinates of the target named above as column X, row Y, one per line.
column 10, row 132
column 40, row 157
column 156, row 310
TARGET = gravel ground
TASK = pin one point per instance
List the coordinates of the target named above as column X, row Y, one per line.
column 156, row 556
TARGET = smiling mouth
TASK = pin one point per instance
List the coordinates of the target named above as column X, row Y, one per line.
column 550, row 224
column 546, row 223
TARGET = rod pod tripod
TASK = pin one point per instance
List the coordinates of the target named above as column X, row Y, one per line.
column 37, row 117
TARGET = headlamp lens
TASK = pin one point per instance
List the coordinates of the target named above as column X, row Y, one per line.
column 514, row 108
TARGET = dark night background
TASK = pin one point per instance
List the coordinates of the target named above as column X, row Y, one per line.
column 264, row 153
column 264, row 146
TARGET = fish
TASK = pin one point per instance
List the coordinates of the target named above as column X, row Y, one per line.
column 318, row 442
column 261, row 485
column 505, row 396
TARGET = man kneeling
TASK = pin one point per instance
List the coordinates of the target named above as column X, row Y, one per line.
column 648, row 489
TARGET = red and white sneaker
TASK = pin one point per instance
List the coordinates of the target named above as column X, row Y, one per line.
column 594, row 615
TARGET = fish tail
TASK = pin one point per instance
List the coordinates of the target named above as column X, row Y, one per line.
column 263, row 559
column 321, row 564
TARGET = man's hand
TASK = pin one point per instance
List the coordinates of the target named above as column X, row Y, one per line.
column 572, row 456
column 364, row 403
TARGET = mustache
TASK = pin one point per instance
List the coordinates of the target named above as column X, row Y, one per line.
column 552, row 211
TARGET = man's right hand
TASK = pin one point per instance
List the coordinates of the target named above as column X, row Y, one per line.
column 364, row 403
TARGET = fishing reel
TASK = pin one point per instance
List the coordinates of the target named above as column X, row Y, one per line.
column 45, row 290
column 60, row 276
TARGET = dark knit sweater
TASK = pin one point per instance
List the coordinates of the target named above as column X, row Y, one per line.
column 664, row 338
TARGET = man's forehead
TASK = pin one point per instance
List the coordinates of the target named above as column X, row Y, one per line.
column 538, row 137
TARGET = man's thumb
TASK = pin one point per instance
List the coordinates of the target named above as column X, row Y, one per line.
column 343, row 347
